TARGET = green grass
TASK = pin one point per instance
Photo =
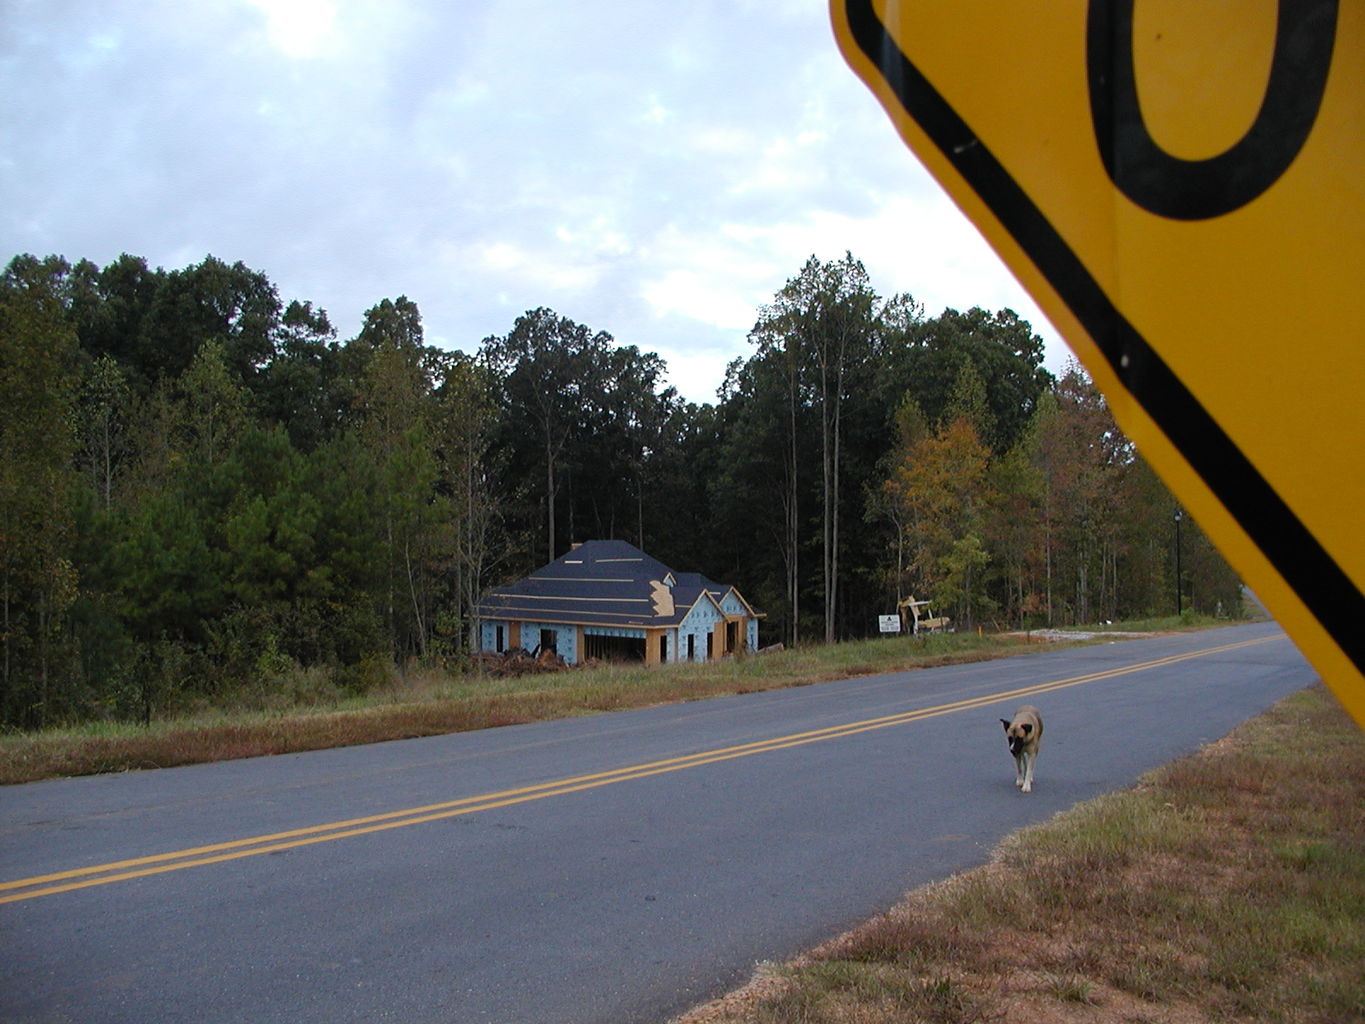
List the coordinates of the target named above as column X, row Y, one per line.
column 1228, row 886
column 429, row 703
column 301, row 712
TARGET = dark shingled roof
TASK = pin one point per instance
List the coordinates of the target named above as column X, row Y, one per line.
column 601, row 583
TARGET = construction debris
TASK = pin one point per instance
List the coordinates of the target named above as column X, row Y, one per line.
column 519, row 662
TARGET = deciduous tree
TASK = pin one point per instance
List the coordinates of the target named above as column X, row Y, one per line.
column 825, row 320
column 548, row 369
column 38, row 582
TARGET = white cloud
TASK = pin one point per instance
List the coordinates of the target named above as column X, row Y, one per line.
column 713, row 276
column 298, row 28
column 656, row 112
column 788, row 164
column 654, row 171
column 545, row 269
column 701, row 296
column 698, row 370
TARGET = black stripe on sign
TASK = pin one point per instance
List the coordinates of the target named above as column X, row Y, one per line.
column 1325, row 590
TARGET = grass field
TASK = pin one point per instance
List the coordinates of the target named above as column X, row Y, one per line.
column 430, row 703
column 1227, row 886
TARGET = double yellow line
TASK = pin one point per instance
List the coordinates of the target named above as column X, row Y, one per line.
column 275, row 842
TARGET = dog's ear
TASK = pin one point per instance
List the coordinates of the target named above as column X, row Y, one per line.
column 1027, row 727
column 1006, row 723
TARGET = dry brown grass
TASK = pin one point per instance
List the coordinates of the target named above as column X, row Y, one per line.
column 1229, row 886
column 429, row 704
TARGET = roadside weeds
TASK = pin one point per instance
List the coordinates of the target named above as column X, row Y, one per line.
column 430, row 704
column 1227, row 886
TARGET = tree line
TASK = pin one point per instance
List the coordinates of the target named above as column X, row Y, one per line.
column 205, row 494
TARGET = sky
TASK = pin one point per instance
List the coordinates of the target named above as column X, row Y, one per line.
column 653, row 169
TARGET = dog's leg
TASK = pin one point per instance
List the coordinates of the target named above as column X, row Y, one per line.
column 1019, row 771
column 1027, row 786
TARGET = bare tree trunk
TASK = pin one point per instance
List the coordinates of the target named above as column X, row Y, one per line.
column 6, row 632
column 1083, row 589
column 826, row 480
column 44, row 625
column 828, row 526
column 831, row 405
column 1047, row 553
column 793, row 517
column 108, row 463
column 475, row 529
column 388, row 582
column 418, row 617
column 831, row 589
column 549, row 497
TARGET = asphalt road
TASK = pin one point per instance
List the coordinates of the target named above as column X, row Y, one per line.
column 615, row 868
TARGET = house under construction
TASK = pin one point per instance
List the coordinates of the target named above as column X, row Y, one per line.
column 608, row 599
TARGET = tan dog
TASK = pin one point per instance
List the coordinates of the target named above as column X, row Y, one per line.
column 1024, row 733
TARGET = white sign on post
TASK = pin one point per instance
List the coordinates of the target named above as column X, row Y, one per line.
column 889, row 623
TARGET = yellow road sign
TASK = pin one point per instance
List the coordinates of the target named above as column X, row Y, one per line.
column 1181, row 188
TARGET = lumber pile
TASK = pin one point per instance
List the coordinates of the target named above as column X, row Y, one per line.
column 519, row 662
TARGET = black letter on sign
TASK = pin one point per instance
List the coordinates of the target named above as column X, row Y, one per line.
column 1199, row 189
